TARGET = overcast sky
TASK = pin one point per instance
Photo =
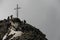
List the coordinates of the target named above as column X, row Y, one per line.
column 43, row 14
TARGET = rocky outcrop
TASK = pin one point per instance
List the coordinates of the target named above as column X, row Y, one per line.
column 29, row 32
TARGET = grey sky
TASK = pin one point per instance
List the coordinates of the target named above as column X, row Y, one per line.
column 43, row 14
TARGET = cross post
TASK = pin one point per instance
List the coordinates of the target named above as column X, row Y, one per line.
column 17, row 9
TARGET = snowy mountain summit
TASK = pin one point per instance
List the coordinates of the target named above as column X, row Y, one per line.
column 15, row 29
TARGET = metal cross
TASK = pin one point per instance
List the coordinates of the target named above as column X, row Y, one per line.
column 17, row 8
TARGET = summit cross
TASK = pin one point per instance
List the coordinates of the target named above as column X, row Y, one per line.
column 17, row 9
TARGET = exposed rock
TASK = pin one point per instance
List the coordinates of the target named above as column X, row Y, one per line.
column 28, row 31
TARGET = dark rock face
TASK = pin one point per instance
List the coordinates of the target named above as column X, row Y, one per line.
column 29, row 32
column 3, row 28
